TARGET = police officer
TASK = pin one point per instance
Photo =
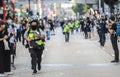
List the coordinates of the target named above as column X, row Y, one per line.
column 36, row 35
column 76, row 25
column 66, row 31
column 72, row 27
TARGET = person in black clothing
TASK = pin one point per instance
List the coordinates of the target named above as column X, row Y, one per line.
column 82, row 25
column 24, row 28
column 87, row 28
column 41, row 25
column 52, row 27
column 23, row 31
column 112, row 31
column 7, row 53
column 4, row 54
column 62, row 22
column 34, row 36
column 88, row 24
column 101, row 28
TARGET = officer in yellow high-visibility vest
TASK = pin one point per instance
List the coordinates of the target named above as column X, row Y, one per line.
column 34, row 36
column 66, row 31
column 72, row 27
column 76, row 25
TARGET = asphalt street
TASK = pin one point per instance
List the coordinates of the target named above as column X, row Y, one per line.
column 78, row 58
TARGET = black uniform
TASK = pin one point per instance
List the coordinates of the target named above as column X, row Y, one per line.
column 114, row 42
column 101, row 32
column 4, row 55
column 2, row 70
column 36, row 54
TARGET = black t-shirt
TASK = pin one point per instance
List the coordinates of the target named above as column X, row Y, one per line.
column 88, row 23
column 42, row 27
column 82, row 24
column 102, row 28
column 2, row 34
column 114, row 27
column 23, row 31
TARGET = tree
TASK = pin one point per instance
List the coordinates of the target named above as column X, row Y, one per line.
column 111, row 4
column 81, row 8
column 85, row 8
column 22, row 14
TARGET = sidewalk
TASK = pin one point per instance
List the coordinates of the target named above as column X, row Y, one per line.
column 108, row 46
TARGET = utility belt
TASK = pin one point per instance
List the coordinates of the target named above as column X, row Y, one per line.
column 37, row 44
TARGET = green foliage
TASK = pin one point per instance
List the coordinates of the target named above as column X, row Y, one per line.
column 22, row 14
column 81, row 8
column 85, row 7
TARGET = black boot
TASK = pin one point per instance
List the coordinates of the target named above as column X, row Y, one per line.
column 114, row 61
column 39, row 67
column 34, row 71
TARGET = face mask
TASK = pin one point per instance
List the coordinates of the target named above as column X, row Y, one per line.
column 34, row 27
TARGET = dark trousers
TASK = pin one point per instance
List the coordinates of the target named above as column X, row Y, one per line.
column 102, row 39
column 66, row 37
column 7, row 61
column 76, row 29
column 115, row 46
column 2, row 69
column 12, row 52
column 5, row 65
column 23, row 40
column 86, row 34
column 18, row 38
column 36, row 58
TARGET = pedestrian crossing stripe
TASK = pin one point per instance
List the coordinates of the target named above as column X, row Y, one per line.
column 81, row 65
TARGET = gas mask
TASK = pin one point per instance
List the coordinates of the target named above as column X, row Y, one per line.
column 34, row 27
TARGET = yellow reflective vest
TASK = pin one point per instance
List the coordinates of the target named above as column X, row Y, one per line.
column 77, row 24
column 72, row 25
column 66, row 28
column 31, row 36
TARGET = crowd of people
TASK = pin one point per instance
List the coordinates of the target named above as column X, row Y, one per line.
column 33, row 32
column 103, row 26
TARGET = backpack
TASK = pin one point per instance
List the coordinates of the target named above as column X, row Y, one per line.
column 118, row 29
